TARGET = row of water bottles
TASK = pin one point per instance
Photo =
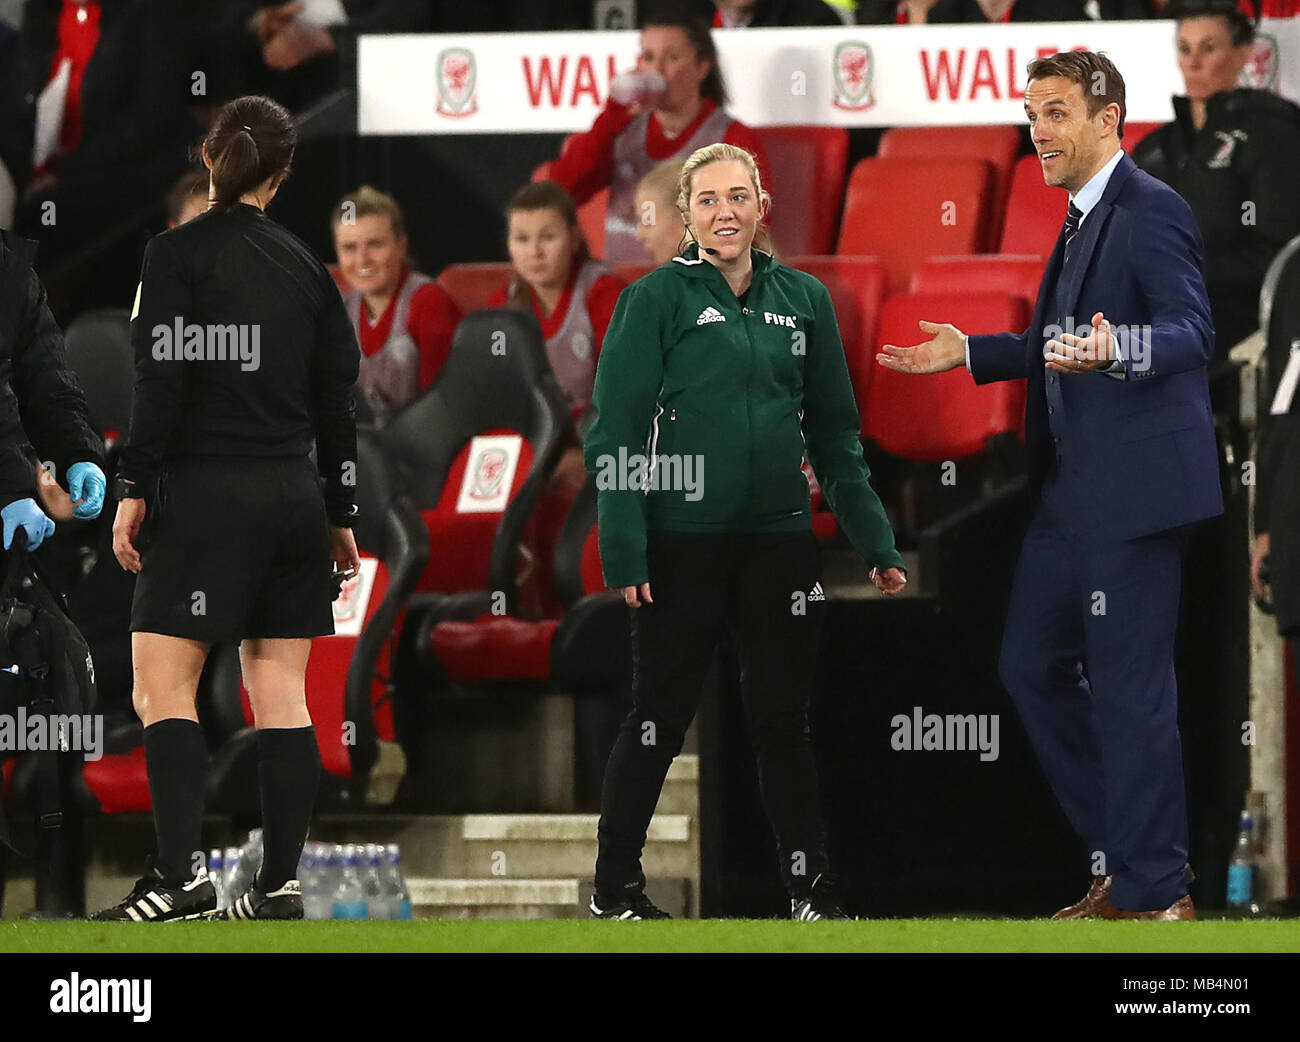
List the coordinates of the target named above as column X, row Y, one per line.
column 339, row 881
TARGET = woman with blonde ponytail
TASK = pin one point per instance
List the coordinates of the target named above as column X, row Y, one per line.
column 721, row 369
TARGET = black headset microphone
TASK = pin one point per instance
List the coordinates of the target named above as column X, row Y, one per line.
column 687, row 223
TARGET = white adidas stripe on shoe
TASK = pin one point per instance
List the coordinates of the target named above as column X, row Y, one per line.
column 248, row 904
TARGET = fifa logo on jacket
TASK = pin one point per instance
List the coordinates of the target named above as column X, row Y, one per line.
column 778, row 320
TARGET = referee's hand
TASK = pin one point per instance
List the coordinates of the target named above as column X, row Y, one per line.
column 126, row 525
column 630, row 595
column 343, row 552
column 889, row 581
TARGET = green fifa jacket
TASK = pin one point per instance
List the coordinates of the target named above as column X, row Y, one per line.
column 706, row 407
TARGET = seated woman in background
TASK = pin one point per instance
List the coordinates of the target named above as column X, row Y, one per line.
column 573, row 297
column 672, row 104
column 555, row 276
column 658, row 223
column 404, row 320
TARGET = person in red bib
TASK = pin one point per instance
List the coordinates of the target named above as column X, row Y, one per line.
column 672, row 104
column 573, row 297
column 572, row 294
column 403, row 319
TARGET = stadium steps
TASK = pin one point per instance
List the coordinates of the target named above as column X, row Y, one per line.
column 528, row 898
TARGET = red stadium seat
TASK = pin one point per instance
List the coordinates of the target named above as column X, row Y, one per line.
column 1135, row 132
column 582, row 650
column 806, row 165
column 120, row 784
column 542, row 172
column 503, row 648
column 999, row 145
column 857, row 288
column 470, row 285
column 905, row 210
column 944, row 416
column 1035, row 211
column 981, row 273
column 497, row 382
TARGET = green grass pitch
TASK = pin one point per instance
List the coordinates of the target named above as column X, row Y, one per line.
column 718, row 935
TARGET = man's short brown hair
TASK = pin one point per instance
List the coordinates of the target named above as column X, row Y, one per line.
column 1095, row 73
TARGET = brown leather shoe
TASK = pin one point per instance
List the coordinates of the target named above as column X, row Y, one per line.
column 1089, row 906
column 1180, row 911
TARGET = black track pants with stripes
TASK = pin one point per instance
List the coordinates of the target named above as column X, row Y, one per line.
column 764, row 588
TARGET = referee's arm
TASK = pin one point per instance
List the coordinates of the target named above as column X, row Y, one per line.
column 629, row 376
column 334, row 376
column 832, row 430
column 162, row 298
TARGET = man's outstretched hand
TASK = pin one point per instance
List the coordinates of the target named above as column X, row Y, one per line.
column 946, row 349
column 1082, row 354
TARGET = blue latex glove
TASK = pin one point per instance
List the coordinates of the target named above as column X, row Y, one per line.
column 86, row 481
column 26, row 513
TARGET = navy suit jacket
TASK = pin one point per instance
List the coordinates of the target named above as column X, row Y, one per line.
column 1141, row 451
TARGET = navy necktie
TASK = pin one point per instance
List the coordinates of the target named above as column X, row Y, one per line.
column 1072, row 219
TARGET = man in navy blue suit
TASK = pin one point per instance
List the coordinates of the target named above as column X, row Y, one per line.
column 1122, row 459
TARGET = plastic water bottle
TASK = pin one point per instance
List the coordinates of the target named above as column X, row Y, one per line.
column 349, row 896
column 1241, row 869
column 318, row 893
column 394, row 884
column 217, row 873
column 247, row 863
column 327, row 877
column 633, row 87
column 230, row 862
column 377, row 902
column 308, row 878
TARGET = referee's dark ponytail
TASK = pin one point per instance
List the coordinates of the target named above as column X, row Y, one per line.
column 252, row 139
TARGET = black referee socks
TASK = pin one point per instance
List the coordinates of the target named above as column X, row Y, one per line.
column 289, row 772
column 176, row 757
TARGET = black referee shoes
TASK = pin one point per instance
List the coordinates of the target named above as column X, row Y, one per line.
column 635, row 907
column 151, row 900
column 282, row 903
column 822, row 901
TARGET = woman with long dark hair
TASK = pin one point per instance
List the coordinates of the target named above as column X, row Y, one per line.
column 245, row 358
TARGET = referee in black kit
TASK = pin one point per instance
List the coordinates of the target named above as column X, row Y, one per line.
column 244, row 357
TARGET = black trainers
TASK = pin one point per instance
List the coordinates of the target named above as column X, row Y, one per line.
column 822, row 902
column 637, row 906
column 284, row 903
column 152, row 901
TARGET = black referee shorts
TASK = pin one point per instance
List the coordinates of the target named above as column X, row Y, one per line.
column 235, row 547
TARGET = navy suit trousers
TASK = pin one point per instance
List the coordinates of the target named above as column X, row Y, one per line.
column 1088, row 656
